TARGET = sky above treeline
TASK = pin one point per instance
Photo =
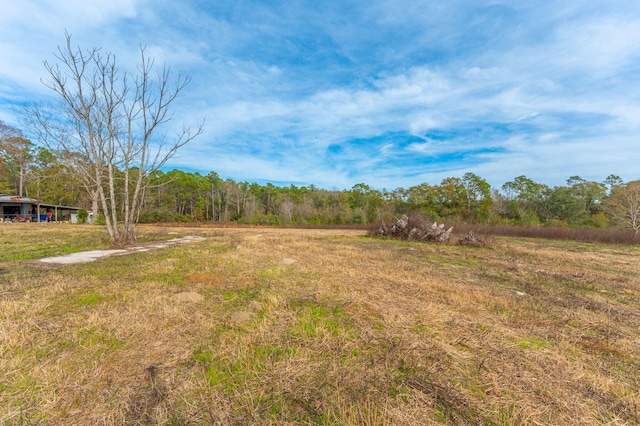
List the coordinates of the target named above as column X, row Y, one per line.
column 391, row 93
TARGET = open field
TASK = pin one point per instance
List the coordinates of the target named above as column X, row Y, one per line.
column 286, row 326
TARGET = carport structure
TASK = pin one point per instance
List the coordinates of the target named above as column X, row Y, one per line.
column 23, row 209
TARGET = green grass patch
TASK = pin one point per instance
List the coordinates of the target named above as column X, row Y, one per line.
column 241, row 295
column 90, row 336
column 202, row 355
column 531, row 343
column 89, row 299
column 459, row 260
column 314, row 320
column 271, row 275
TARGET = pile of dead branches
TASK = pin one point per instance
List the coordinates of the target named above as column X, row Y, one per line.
column 416, row 229
column 472, row 240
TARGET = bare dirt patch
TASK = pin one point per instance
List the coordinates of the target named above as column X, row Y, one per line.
column 188, row 297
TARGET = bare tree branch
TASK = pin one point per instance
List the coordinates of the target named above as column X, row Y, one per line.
column 106, row 124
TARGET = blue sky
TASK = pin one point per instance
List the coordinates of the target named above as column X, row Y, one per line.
column 392, row 93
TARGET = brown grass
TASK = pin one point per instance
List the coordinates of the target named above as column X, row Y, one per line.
column 348, row 330
column 586, row 234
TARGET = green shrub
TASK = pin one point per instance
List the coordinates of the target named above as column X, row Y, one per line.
column 83, row 215
column 100, row 220
column 598, row 220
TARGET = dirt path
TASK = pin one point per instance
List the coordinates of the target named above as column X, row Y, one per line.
column 92, row 255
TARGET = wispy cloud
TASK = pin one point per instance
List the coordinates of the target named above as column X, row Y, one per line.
column 390, row 92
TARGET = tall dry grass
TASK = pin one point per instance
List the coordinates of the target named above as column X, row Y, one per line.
column 585, row 235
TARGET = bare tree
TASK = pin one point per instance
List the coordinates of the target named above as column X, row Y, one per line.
column 106, row 123
column 623, row 205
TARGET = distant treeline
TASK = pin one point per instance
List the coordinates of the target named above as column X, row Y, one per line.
column 181, row 196
column 178, row 196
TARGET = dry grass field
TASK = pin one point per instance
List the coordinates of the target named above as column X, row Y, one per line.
column 284, row 326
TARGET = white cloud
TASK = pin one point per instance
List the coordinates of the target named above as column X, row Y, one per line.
column 529, row 83
column 50, row 15
column 274, row 70
column 601, row 46
column 32, row 30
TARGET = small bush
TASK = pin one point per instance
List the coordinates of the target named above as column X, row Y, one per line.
column 83, row 215
column 100, row 220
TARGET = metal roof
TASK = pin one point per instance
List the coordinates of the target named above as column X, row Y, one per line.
column 60, row 207
column 4, row 198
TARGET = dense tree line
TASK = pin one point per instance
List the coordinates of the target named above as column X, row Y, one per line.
column 179, row 196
